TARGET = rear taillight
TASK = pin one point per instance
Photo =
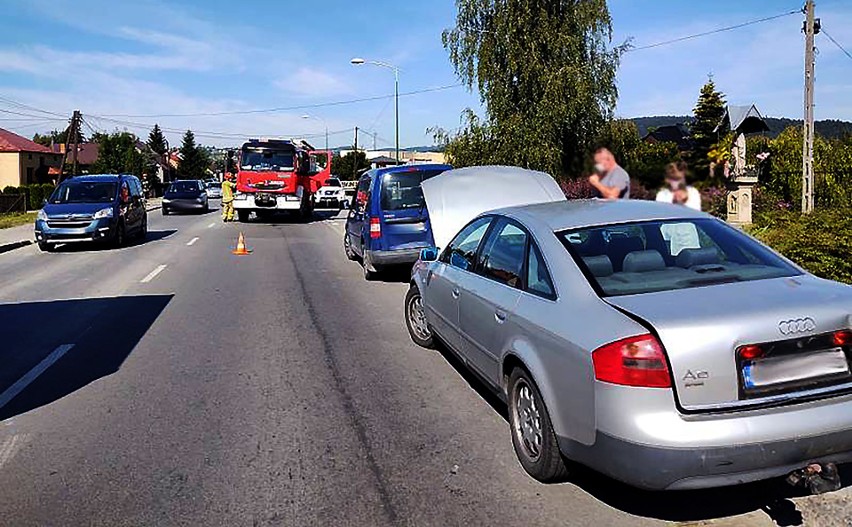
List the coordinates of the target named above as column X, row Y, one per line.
column 634, row 361
column 375, row 228
column 750, row 352
column 842, row 338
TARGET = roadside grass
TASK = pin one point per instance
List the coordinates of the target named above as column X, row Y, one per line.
column 13, row 219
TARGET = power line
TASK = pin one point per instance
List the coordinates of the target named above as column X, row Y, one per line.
column 836, row 43
column 290, row 108
column 27, row 107
column 715, row 31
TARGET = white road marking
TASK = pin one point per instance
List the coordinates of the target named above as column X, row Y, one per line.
column 192, row 241
column 153, row 274
column 31, row 375
column 211, row 225
column 10, row 446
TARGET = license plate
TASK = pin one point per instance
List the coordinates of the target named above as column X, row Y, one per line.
column 764, row 373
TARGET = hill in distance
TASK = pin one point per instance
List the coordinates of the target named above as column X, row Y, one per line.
column 828, row 128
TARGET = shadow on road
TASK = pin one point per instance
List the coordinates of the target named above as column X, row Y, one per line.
column 103, row 332
column 291, row 217
column 771, row 496
column 153, row 236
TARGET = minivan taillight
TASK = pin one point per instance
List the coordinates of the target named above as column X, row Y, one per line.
column 375, row 228
column 634, row 361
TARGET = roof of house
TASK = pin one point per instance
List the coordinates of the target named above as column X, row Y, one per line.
column 675, row 133
column 744, row 119
column 87, row 153
column 10, row 142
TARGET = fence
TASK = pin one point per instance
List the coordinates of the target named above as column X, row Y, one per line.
column 13, row 203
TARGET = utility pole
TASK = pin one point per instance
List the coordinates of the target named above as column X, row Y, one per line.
column 811, row 26
column 71, row 144
column 355, row 155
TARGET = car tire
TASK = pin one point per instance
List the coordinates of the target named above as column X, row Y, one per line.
column 415, row 319
column 532, row 431
column 143, row 230
column 367, row 264
column 206, row 208
column 347, row 248
column 243, row 215
column 120, row 236
column 46, row 247
column 165, row 211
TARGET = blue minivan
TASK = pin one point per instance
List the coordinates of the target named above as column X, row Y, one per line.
column 388, row 222
column 96, row 208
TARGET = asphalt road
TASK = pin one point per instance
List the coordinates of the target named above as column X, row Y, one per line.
column 182, row 385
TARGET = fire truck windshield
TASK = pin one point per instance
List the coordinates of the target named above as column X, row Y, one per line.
column 260, row 160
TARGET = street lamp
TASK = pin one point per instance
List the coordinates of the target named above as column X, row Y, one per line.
column 318, row 118
column 357, row 61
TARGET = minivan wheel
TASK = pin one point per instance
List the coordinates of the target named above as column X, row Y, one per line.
column 165, row 211
column 415, row 319
column 243, row 215
column 119, row 239
column 532, row 432
column 367, row 264
column 143, row 231
column 347, row 247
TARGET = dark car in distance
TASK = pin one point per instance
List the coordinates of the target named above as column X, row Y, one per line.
column 92, row 208
column 185, row 195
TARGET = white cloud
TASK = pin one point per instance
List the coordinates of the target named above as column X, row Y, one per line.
column 312, row 82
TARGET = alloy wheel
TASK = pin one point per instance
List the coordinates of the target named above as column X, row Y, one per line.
column 417, row 318
column 528, row 428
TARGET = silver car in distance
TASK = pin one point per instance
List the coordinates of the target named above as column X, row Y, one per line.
column 653, row 343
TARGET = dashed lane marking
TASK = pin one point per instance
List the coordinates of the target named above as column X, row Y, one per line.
column 153, row 274
column 192, row 241
column 33, row 374
column 211, row 225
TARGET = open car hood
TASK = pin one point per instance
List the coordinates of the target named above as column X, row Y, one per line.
column 457, row 196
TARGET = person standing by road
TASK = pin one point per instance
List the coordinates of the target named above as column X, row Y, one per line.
column 676, row 190
column 228, row 188
column 609, row 180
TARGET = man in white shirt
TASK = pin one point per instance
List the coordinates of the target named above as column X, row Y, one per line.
column 676, row 190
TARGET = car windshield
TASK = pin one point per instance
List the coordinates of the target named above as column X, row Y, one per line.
column 333, row 183
column 214, row 185
column 84, row 192
column 655, row 256
column 401, row 190
column 259, row 160
column 184, row 186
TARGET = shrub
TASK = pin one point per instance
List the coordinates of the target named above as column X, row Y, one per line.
column 11, row 190
column 821, row 242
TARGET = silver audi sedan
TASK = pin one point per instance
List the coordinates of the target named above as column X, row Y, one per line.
column 651, row 342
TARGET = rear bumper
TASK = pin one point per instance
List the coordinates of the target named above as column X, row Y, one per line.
column 658, row 468
column 643, row 440
column 399, row 257
column 179, row 204
column 97, row 230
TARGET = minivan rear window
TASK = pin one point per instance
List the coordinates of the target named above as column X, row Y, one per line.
column 401, row 190
column 650, row 256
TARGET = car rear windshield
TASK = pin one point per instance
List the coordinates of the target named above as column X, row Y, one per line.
column 214, row 185
column 331, row 182
column 184, row 186
column 652, row 256
column 401, row 190
column 84, row 192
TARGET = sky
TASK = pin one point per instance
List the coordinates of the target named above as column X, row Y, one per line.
column 129, row 64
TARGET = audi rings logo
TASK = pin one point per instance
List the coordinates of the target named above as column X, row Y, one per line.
column 797, row 325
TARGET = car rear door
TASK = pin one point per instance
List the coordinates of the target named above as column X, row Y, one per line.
column 355, row 220
column 403, row 213
column 488, row 298
column 444, row 281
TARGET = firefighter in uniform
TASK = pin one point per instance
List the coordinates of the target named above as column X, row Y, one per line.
column 228, row 187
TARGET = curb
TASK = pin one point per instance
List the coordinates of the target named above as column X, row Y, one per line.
column 14, row 245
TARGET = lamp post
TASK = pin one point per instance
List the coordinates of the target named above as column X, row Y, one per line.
column 318, row 118
column 359, row 61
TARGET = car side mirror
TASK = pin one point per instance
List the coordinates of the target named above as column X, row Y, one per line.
column 44, row 202
column 429, row 254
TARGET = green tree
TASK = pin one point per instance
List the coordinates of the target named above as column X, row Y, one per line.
column 116, row 154
column 56, row 137
column 350, row 165
column 708, row 113
column 157, row 141
column 193, row 159
column 545, row 73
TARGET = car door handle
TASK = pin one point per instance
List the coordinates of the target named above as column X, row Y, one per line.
column 500, row 316
column 455, row 293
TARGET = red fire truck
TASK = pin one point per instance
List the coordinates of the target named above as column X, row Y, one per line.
column 278, row 175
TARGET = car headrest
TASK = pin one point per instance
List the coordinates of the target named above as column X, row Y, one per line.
column 599, row 266
column 642, row 261
column 687, row 258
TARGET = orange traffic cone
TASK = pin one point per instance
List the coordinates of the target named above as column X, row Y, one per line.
column 241, row 246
